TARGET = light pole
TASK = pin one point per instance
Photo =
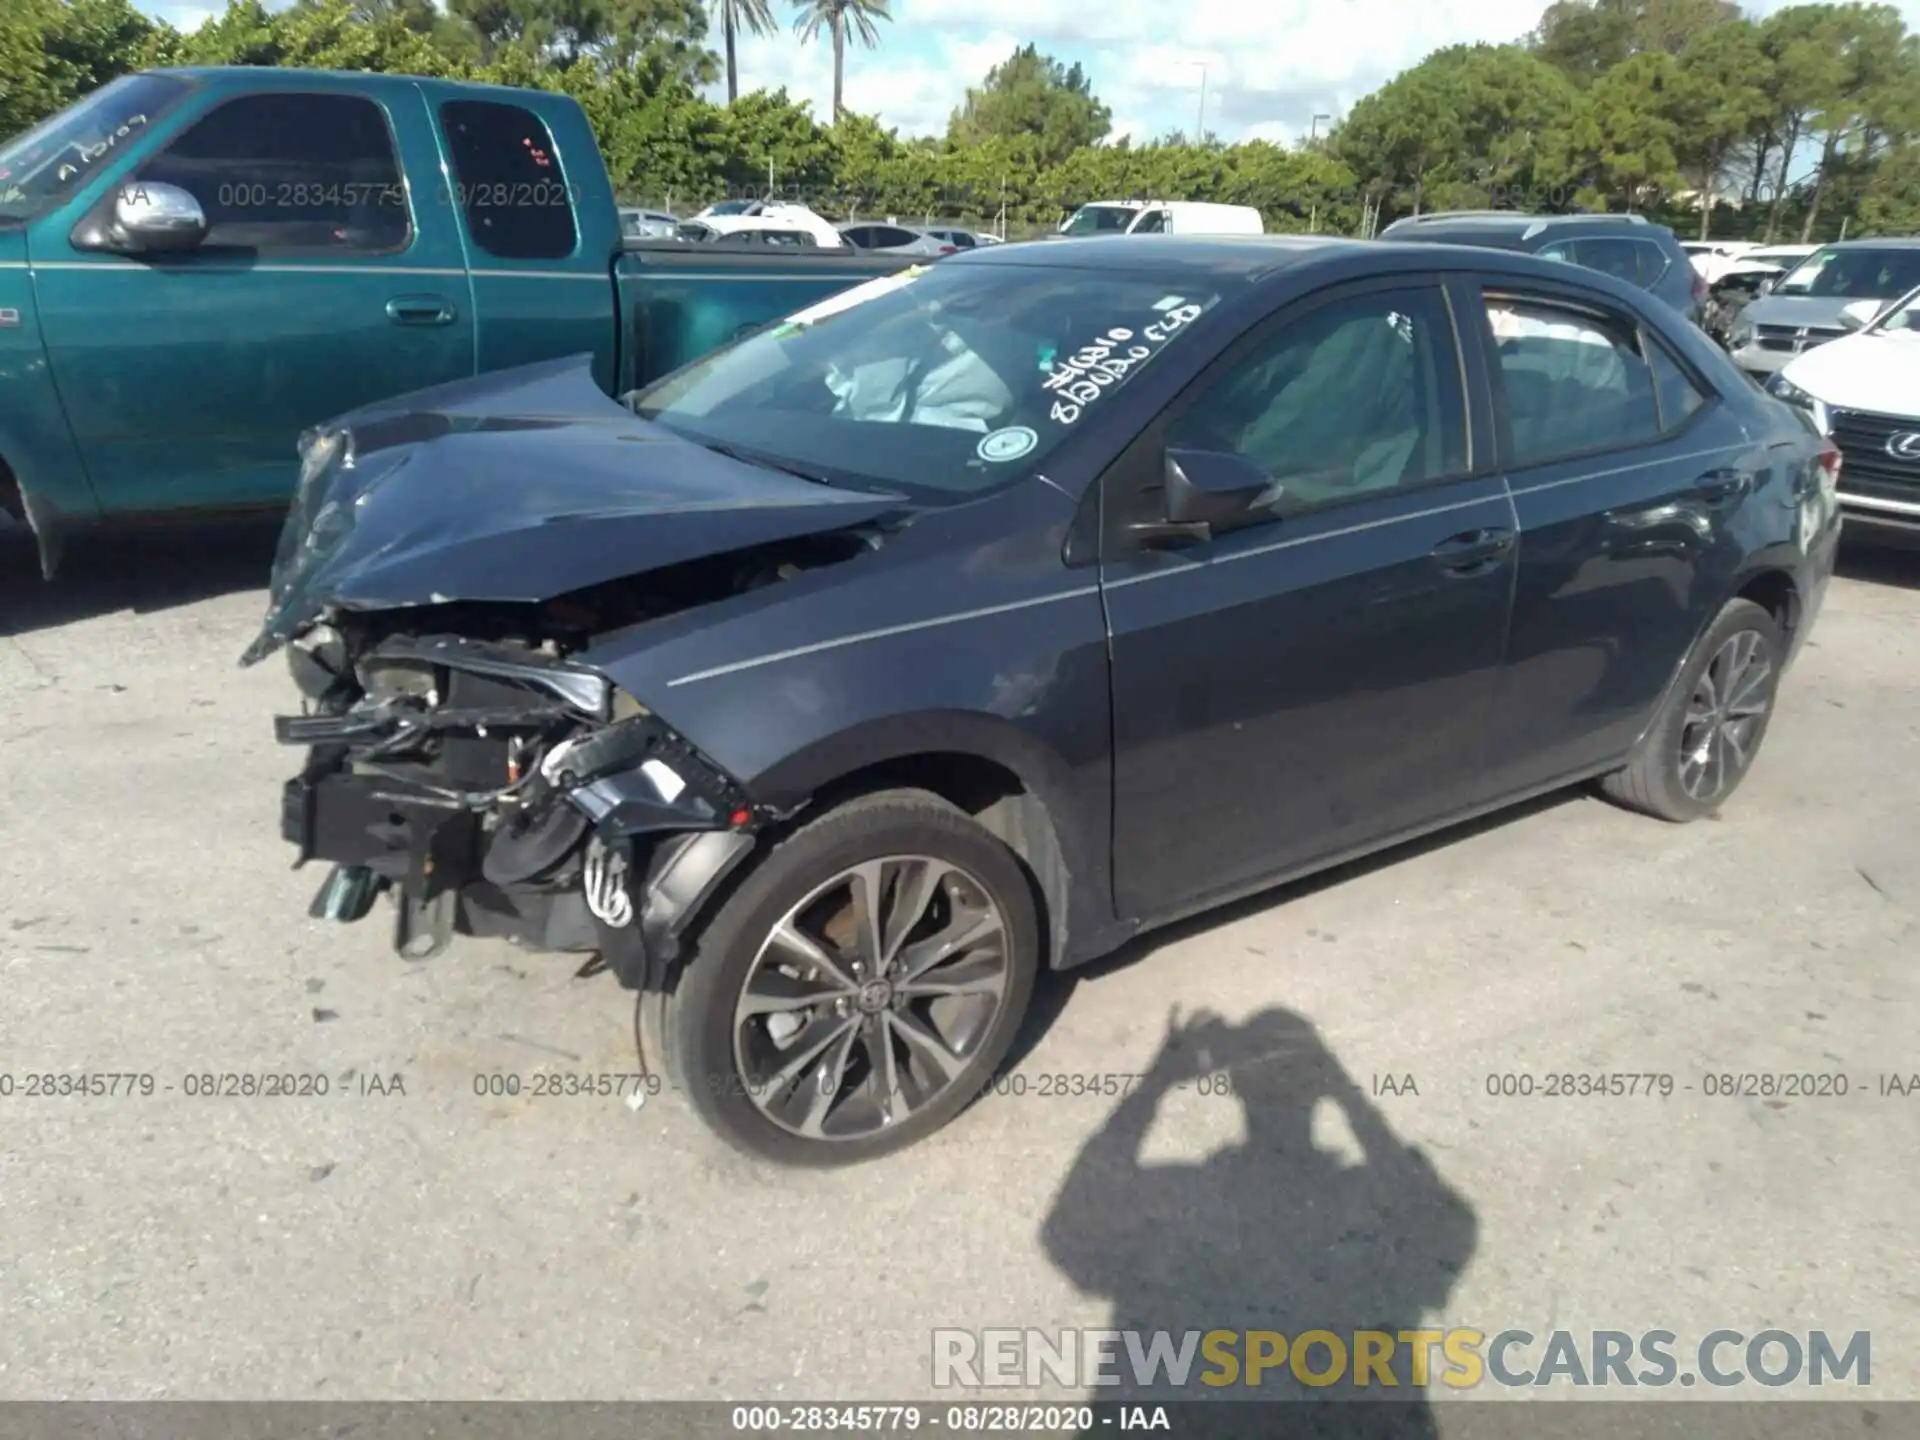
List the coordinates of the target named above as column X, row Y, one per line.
column 1200, row 118
column 1314, row 129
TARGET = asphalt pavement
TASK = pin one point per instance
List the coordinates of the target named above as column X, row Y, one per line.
column 405, row 1236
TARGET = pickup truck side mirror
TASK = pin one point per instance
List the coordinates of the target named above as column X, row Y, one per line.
column 150, row 218
column 1205, row 489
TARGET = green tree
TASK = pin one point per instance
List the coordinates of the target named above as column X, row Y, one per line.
column 735, row 16
column 1464, row 126
column 1624, row 139
column 1871, row 95
column 660, row 37
column 1720, row 97
column 841, row 19
column 1033, row 94
column 1587, row 38
column 54, row 51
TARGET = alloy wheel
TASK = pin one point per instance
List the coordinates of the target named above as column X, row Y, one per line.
column 1724, row 715
column 870, row 997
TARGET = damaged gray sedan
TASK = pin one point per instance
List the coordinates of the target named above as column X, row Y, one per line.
column 982, row 617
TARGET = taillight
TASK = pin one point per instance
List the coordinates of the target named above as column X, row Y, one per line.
column 949, row 249
column 1829, row 463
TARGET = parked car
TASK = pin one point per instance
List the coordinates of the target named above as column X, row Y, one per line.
column 778, row 217
column 1627, row 247
column 1162, row 217
column 982, row 617
column 1712, row 257
column 647, row 224
column 275, row 246
column 1741, row 281
column 1864, row 391
column 750, row 234
column 1803, row 308
column 894, row 239
column 727, row 207
column 963, row 239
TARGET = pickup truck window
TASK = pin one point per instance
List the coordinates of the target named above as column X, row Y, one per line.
column 43, row 167
column 941, row 383
column 516, row 200
column 292, row 172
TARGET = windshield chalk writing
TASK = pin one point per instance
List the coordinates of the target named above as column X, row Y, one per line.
column 1086, row 375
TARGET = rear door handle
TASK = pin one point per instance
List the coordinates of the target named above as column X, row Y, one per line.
column 420, row 310
column 1471, row 551
column 1722, row 487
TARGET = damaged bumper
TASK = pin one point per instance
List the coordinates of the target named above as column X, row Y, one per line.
column 495, row 793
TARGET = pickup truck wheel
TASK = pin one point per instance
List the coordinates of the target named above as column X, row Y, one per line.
column 1710, row 728
column 860, row 985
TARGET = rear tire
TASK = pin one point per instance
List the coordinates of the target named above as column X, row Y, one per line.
column 858, row 988
column 1708, row 732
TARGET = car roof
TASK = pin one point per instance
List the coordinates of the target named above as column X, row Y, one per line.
column 1256, row 259
column 1517, row 223
column 1250, row 257
column 1888, row 242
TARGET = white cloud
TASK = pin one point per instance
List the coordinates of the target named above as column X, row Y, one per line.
column 183, row 16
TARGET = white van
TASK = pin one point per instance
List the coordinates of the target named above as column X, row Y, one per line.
column 1163, row 217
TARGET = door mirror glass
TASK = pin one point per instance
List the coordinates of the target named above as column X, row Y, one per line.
column 150, row 217
column 1215, row 487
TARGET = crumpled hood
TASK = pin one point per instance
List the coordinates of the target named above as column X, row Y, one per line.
column 521, row 485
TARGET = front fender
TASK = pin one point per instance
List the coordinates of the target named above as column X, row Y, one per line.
column 1068, row 850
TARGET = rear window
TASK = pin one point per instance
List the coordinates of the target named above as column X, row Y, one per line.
column 516, row 200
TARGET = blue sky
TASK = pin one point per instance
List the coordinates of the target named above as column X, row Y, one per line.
column 1269, row 67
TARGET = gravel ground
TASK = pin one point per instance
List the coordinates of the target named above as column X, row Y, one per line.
column 431, row 1243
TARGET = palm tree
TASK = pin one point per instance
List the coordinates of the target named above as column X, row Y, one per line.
column 839, row 18
column 735, row 16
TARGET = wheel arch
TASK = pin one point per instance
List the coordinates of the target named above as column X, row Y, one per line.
column 1012, row 783
column 1768, row 584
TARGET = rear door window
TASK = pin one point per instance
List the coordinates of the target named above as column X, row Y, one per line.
column 1574, row 380
column 517, row 202
column 1680, row 396
column 1611, row 256
column 301, row 173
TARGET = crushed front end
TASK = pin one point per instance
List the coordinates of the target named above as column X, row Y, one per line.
column 448, row 564
column 495, row 788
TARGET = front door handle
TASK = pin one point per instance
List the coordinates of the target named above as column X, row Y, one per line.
column 420, row 310
column 1472, row 552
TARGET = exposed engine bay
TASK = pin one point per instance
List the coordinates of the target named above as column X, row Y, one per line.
column 462, row 758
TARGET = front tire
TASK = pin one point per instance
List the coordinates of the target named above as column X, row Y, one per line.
column 859, row 987
column 1709, row 730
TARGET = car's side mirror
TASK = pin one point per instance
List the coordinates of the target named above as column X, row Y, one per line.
column 150, row 218
column 1860, row 314
column 1206, row 489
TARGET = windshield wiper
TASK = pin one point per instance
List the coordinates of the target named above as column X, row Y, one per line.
column 748, row 457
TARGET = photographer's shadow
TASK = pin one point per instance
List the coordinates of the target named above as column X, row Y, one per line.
column 1276, row 1233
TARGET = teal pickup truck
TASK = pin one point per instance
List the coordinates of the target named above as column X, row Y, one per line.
column 198, row 264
